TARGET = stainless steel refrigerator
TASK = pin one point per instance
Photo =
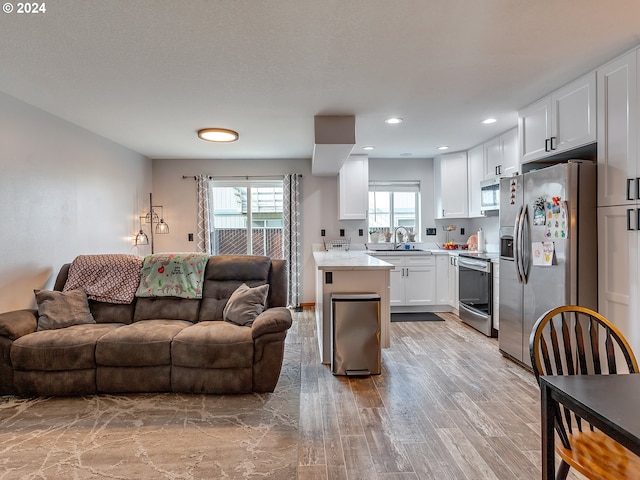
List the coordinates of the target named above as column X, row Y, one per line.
column 548, row 248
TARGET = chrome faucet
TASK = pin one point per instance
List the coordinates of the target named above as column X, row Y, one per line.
column 395, row 235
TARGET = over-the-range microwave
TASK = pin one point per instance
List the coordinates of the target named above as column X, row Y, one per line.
column 490, row 196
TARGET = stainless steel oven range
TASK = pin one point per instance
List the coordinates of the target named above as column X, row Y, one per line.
column 476, row 292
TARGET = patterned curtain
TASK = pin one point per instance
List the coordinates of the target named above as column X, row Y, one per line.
column 291, row 206
column 203, row 194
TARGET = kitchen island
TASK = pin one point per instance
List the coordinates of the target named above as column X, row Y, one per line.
column 349, row 272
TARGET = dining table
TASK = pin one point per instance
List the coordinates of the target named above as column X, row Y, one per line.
column 608, row 402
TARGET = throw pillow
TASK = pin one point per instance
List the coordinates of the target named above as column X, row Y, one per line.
column 245, row 304
column 62, row 309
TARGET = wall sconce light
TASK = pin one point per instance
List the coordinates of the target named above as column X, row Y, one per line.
column 151, row 217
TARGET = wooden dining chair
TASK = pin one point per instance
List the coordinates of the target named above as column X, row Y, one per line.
column 573, row 340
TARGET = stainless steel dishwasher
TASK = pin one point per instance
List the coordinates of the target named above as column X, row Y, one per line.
column 355, row 334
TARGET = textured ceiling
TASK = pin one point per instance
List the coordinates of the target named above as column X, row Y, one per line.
column 148, row 74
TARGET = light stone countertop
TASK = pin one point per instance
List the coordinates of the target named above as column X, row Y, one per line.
column 351, row 260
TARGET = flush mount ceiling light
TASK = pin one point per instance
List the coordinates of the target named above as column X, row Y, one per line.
column 489, row 121
column 368, row 147
column 393, row 120
column 443, row 147
column 218, row 135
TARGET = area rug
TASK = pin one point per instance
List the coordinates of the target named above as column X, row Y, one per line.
column 155, row 436
column 416, row 317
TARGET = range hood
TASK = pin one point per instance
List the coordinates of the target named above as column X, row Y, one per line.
column 334, row 141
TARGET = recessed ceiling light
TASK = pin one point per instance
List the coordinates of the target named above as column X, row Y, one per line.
column 368, row 147
column 443, row 147
column 218, row 135
column 488, row 121
column 393, row 120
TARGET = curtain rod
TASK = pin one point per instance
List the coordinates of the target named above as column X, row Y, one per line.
column 246, row 177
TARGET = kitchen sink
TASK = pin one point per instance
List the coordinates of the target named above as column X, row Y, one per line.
column 399, row 251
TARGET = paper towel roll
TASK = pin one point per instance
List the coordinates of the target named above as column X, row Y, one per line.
column 480, row 240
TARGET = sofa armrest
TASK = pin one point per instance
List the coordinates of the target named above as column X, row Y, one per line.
column 18, row 323
column 272, row 320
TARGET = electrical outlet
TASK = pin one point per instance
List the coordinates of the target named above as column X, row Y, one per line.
column 461, row 230
column 360, row 232
column 431, row 231
column 323, row 232
column 190, row 237
column 342, row 232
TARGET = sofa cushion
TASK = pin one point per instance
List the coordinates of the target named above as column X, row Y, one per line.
column 224, row 274
column 71, row 348
column 245, row 304
column 144, row 343
column 62, row 309
column 213, row 345
column 104, row 312
column 166, row 308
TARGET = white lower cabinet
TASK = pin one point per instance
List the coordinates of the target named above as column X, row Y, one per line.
column 618, row 269
column 443, row 285
column 412, row 280
column 454, row 292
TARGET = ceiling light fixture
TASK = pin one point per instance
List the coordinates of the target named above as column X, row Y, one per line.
column 368, row 147
column 393, row 120
column 489, row 121
column 220, row 135
column 443, row 147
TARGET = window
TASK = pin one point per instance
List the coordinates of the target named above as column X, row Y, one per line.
column 247, row 218
column 394, row 204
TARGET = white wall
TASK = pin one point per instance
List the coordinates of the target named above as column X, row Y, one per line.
column 64, row 191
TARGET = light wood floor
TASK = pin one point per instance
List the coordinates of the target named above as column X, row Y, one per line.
column 446, row 406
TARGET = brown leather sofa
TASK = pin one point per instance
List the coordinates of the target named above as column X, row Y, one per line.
column 158, row 344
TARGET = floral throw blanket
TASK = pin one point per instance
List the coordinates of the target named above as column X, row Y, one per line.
column 111, row 278
column 172, row 275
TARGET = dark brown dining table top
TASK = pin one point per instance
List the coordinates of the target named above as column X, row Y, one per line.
column 610, row 402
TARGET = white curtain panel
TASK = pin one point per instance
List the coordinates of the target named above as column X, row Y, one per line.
column 292, row 229
column 204, row 205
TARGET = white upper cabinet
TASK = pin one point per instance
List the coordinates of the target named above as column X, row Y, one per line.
column 451, row 186
column 353, row 188
column 475, row 165
column 617, row 132
column 501, row 155
column 564, row 120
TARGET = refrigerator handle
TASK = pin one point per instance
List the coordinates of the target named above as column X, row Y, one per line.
column 526, row 245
